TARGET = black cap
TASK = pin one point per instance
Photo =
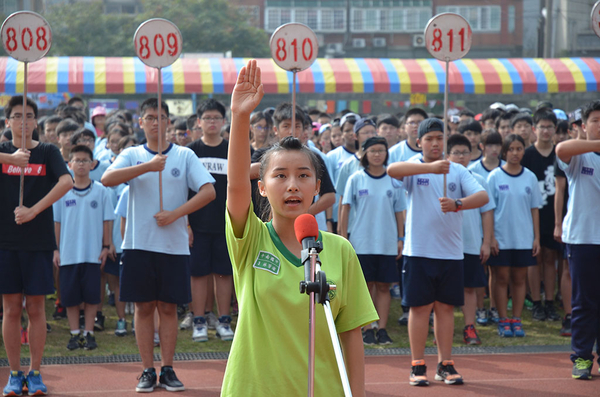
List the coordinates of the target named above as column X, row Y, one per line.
column 431, row 124
column 575, row 116
column 374, row 140
column 363, row 123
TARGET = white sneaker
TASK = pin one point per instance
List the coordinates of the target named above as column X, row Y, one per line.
column 187, row 321
column 200, row 331
column 211, row 320
column 224, row 330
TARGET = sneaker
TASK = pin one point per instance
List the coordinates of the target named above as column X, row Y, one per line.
column 493, row 315
column 539, row 314
column 403, row 320
column 111, row 299
column 382, row 337
column 187, row 322
column 34, row 384
column 121, row 329
column 566, row 326
column 59, row 312
column 211, row 320
column 24, row 337
column 48, row 328
column 528, row 302
column 582, row 369
column 551, row 313
column 147, row 381
column 395, row 291
column 470, row 335
column 504, row 329
column 517, row 327
column 156, row 339
column 14, row 387
column 75, row 342
column 200, row 331
column 181, row 311
column 509, row 304
column 129, row 308
column 369, row 337
column 447, row 373
column 224, row 330
column 99, row 322
column 169, row 380
column 481, row 316
column 90, row 342
column 418, row 373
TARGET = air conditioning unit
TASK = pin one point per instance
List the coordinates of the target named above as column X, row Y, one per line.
column 334, row 48
column 418, row 40
column 379, row 42
column 359, row 43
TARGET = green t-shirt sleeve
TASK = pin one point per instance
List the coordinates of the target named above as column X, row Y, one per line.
column 243, row 250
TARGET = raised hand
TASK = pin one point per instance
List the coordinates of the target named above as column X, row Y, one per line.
column 248, row 90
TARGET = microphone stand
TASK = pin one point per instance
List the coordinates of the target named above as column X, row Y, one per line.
column 316, row 286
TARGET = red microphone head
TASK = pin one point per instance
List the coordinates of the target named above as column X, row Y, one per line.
column 306, row 226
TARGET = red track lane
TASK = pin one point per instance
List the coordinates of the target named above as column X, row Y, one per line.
column 504, row 375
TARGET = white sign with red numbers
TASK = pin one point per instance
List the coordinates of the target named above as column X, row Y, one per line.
column 294, row 47
column 448, row 37
column 158, row 42
column 26, row 36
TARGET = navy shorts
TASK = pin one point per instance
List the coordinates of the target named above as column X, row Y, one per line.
column 513, row 258
column 113, row 267
column 426, row 280
column 28, row 272
column 474, row 272
column 79, row 283
column 148, row 276
column 548, row 241
column 209, row 255
column 379, row 268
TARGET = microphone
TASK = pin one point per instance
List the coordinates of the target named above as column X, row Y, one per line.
column 307, row 230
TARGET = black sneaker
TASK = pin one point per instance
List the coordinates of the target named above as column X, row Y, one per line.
column 582, row 369
column 111, row 299
column 147, row 381
column 551, row 313
column 566, row 326
column 539, row 313
column 383, row 338
column 447, row 373
column 48, row 328
column 418, row 373
column 90, row 342
column 369, row 337
column 99, row 322
column 74, row 342
column 169, row 380
column 59, row 312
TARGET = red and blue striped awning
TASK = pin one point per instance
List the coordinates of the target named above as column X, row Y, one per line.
column 100, row 75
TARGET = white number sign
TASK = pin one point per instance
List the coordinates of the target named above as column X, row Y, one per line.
column 596, row 18
column 448, row 37
column 294, row 47
column 157, row 42
column 26, row 36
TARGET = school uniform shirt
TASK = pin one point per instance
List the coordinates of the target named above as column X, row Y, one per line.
column 401, row 152
column 349, row 167
column 581, row 225
column 472, row 227
column 337, row 157
column 123, row 204
column 269, row 355
column 543, row 168
column 515, row 196
column 479, row 168
column 81, row 214
column 97, row 172
column 376, row 200
column 477, row 159
column 183, row 171
column 115, row 194
column 321, row 217
column 429, row 232
column 100, row 147
column 46, row 166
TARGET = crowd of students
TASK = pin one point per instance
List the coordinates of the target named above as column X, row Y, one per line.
column 438, row 232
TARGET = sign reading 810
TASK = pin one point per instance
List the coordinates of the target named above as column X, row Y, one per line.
column 294, row 47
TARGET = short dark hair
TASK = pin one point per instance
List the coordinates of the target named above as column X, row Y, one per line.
column 388, row 119
column 503, row 116
column 152, row 103
column 191, row 121
column 490, row 114
column 588, row 109
column 466, row 112
column 458, row 140
column 364, row 161
column 510, row 139
column 81, row 149
column 413, row 111
column 283, row 111
column 71, row 112
column 544, row 114
column 181, row 124
column 520, row 117
column 469, row 125
column 82, row 132
column 125, row 140
column 210, row 104
column 71, row 101
column 18, row 100
column 562, row 127
column 491, row 138
column 256, row 117
column 66, row 126
column 314, row 112
column 54, row 119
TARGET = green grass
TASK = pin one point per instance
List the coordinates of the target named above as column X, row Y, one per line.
column 538, row 333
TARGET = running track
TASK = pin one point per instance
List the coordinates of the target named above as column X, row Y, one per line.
column 512, row 375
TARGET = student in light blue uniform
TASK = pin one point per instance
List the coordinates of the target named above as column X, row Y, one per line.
column 516, row 230
column 83, row 220
column 86, row 137
column 406, row 149
column 378, row 236
column 156, row 273
column 491, row 143
column 478, row 232
column 580, row 159
column 432, row 274
column 471, row 129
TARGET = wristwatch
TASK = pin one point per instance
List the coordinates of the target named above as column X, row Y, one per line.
column 458, row 205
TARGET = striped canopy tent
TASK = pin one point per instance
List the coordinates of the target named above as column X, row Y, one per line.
column 99, row 75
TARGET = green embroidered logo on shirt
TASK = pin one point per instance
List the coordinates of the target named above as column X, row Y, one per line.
column 267, row 261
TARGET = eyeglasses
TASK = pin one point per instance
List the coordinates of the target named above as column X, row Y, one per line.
column 84, row 141
column 182, row 135
column 152, row 119
column 259, row 128
column 18, row 116
column 81, row 162
column 545, row 127
column 413, row 123
column 212, row 119
column 376, row 152
column 460, row 154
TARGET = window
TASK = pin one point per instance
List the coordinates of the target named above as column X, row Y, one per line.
column 511, row 19
column 481, row 19
column 318, row 19
column 389, row 19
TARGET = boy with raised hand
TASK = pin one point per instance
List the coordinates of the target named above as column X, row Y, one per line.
column 156, row 274
column 27, row 239
column 83, row 226
column 581, row 232
column 432, row 274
